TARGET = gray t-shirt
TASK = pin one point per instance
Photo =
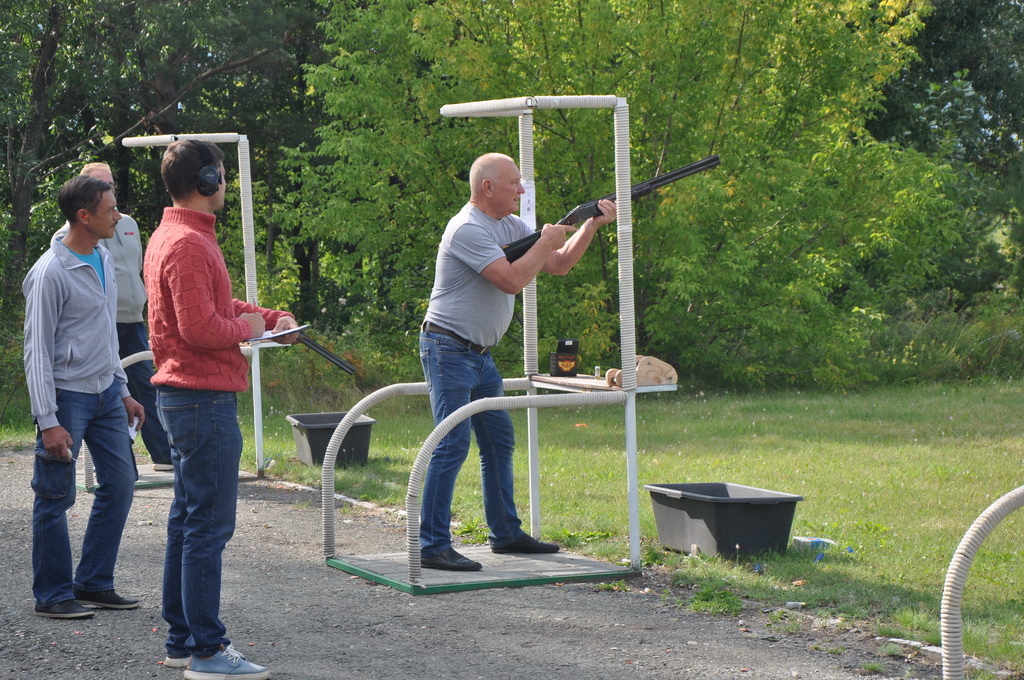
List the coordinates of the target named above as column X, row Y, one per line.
column 462, row 300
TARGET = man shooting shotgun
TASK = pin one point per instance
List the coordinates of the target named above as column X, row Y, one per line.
column 470, row 309
column 516, row 249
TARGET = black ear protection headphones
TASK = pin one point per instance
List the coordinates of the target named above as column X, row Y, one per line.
column 208, row 176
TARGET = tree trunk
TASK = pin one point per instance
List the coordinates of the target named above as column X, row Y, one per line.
column 23, row 162
column 307, row 259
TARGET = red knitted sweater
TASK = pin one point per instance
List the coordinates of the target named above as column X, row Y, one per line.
column 194, row 324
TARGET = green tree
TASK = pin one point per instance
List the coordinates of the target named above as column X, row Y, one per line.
column 386, row 169
column 773, row 267
column 966, row 84
column 961, row 100
column 77, row 77
column 82, row 76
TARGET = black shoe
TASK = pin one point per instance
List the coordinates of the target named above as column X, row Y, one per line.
column 450, row 560
column 526, row 544
column 68, row 609
column 107, row 599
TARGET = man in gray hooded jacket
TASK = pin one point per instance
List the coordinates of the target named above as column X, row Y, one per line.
column 78, row 393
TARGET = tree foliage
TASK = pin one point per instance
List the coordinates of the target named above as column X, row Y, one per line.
column 870, row 158
column 78, row 77
column 966, row 84
column 83, row 76
column 774, row 267
column 961, row 100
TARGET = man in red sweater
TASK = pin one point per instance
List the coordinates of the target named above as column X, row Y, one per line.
column 195, row 327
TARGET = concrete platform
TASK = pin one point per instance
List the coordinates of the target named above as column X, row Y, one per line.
column 499, row 571
column 148, row 477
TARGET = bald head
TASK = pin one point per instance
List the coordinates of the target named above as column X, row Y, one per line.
column 495, row 185
column 489, row 166
column 99, row 171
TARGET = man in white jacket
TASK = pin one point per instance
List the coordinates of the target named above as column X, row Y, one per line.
column 125, row 248
column 78, row 393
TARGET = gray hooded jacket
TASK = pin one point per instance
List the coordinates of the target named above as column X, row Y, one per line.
column 70, row 331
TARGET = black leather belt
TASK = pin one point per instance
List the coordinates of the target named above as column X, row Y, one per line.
column 428, row 327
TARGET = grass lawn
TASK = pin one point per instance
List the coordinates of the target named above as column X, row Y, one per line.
column 894, row 475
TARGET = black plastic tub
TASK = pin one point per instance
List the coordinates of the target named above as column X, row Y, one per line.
column 722, row 518
column 313, row 432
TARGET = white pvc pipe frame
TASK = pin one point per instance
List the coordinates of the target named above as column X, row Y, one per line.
column 523, row 108
column 956, row 578
column 249, row 249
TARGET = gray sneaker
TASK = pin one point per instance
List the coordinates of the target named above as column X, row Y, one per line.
column 225, row 665
column 177, row 661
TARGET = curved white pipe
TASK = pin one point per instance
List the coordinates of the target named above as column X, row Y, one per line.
column 88, row 478
column 327, row 509
column 956, row 577
column 131, row 359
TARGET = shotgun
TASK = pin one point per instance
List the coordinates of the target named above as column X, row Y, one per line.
column 584, row 211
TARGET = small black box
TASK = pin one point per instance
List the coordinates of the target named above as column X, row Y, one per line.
column 565, row 361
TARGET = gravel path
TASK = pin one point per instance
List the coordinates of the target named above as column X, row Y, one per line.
column 306, row 621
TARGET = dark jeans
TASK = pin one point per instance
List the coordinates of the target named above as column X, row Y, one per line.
column 131, row 338
column 456, row 376
column 206, row 446
column 101, row 421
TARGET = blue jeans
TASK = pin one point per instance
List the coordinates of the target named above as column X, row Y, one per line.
column 455, row 376
column 131, row 338
column 206, row 446
column 102, row 422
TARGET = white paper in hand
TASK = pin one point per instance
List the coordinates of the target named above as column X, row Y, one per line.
column 269, row 335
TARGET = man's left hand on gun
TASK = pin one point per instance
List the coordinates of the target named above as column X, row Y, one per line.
column 283, row 324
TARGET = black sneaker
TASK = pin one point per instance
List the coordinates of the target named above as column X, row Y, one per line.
column 107, row 599
column 68, row 609
column 525, row 544
column 450, row 560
